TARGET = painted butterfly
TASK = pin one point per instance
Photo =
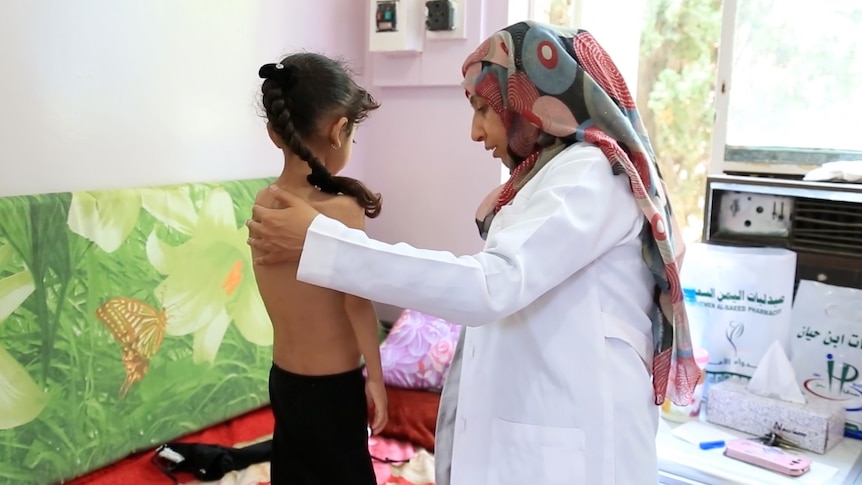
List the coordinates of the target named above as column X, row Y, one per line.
column 139, row 328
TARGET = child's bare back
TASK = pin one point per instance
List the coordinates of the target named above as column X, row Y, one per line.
column 311, row 327
column 320, row 396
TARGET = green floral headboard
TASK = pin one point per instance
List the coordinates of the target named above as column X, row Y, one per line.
column 127, row 318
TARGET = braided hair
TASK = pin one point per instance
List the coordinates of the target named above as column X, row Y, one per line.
column 297, row 94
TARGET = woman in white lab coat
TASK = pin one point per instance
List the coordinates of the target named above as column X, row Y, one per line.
column 575, row 327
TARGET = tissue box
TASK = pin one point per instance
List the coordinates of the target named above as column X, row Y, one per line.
column 815, row 426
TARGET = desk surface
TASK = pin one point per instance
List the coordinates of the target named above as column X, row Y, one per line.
column 687, row 461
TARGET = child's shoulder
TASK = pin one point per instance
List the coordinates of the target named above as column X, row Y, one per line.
column 265, row 198
column 342, row 208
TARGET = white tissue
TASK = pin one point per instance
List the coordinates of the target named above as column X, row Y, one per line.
column 841, row 171
column 774, row 377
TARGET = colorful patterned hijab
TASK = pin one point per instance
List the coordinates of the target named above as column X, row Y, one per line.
column 554, row 87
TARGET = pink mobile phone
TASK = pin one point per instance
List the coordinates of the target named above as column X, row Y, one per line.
column 769, row 457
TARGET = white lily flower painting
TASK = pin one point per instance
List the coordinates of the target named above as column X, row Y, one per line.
column 128, row 318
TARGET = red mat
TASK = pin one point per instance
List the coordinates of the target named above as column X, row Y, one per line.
column 137, row 469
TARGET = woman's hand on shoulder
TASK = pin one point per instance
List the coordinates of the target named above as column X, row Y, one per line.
column 279, row 223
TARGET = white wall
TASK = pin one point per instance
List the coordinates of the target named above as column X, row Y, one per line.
column 98, row 94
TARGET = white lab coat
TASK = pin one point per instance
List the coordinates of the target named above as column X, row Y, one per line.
column 554, row 380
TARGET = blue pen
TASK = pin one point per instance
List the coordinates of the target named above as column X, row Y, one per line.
column 853, row 433
column 709, row 445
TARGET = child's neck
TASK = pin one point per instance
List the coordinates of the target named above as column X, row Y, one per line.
column 295, row 172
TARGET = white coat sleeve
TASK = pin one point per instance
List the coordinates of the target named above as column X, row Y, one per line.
column 567, row 223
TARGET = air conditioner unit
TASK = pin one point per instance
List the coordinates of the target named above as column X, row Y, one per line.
column 820, row 221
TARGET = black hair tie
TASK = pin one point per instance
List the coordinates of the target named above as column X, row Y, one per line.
column 283, row 75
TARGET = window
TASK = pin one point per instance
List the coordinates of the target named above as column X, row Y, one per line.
column 792, row 104
column 675, row 95
column 667, row 53
column 793, row 69
column 556, row 12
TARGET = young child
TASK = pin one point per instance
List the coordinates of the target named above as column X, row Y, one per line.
column 318, row 393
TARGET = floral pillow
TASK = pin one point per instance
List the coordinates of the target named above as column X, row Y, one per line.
column 418, row 351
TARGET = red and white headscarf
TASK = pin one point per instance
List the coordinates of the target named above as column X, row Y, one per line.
column 554, row 84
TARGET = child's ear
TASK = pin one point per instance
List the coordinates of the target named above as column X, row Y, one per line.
column 336, row 132
column 279, row 143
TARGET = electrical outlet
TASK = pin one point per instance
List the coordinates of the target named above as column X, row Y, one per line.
column 444, row 19
column 755, row 214
column 441, row 15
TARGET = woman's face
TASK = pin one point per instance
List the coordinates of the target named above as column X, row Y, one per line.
column 488, row 129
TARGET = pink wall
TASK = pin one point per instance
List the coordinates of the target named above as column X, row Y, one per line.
column 431, row 175
column 416, row 150
column 337, row 32
column 332, row 27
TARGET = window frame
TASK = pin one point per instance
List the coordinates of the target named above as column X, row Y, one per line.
column 725, row 159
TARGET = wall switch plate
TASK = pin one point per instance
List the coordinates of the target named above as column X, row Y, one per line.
column 755, row 214
column 386, row 17
column 444, row 19
column 396, row 26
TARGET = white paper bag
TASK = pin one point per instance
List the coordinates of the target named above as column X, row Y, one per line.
column 826, row 345
column 739, row 302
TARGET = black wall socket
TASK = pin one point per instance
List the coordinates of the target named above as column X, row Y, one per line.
column 441, row 15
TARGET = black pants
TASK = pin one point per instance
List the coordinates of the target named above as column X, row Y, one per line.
column 321, row 434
